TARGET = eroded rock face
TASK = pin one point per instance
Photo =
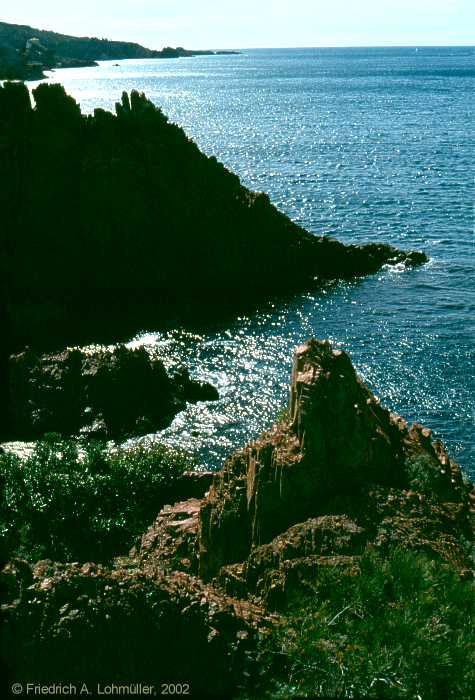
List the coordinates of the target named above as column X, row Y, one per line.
column 276, row 571
column 104, row 394
column 337, row 444
column 340, row 426
column 170, row 544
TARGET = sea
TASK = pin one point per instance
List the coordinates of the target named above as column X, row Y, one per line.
column 363, row 144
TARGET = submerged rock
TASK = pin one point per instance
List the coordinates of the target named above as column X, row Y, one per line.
column 107, row 394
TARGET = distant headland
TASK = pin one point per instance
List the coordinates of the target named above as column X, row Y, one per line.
column 26, row 52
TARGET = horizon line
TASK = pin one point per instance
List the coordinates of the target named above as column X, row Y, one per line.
column 347, row 46
column 256, row 48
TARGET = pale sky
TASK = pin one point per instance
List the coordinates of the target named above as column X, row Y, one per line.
column 254, row 23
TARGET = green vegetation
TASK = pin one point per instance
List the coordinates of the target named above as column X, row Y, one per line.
column 65, row 504
column 426, row 477
column 402, row 628
column 283, row 416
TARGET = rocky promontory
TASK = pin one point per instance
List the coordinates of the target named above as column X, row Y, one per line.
column 108, row 216
column 340, row 463
column 112, row 223
column 336, row 522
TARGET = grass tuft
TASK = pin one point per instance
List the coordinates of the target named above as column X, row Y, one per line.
column 402, row 628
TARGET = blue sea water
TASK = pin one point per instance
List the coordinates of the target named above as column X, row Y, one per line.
column 362, row 144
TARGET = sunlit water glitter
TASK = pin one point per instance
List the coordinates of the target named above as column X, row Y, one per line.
column 365, row 144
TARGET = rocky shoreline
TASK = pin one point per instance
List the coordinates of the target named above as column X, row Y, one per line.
column 113, row 223
column 339, row 482
column 339, row 521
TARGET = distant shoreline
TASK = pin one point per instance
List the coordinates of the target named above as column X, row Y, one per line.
column 33, row 73
column 26, row 52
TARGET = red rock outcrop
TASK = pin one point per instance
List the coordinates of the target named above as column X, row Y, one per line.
column 327, row 458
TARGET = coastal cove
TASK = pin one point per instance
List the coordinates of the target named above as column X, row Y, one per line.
column 236, row 376
column 335, row 138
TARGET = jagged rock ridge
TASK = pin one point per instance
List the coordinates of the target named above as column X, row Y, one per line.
column 339, row 449
column 105, row 211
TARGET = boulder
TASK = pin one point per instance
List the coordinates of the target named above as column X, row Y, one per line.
column 107, row 394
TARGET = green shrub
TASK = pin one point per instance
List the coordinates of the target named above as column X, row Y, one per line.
column 403, row 628
column 427, row 477
column 64, row 504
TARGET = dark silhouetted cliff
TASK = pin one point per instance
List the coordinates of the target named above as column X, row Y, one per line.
column 113, row 222
column 107, row 210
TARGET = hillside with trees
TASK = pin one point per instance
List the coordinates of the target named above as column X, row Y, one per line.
column 25, row 52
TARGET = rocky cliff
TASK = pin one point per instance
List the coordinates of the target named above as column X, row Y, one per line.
column 120, row 216
column 340, row 454
column 112, row 223
column 341, row 477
